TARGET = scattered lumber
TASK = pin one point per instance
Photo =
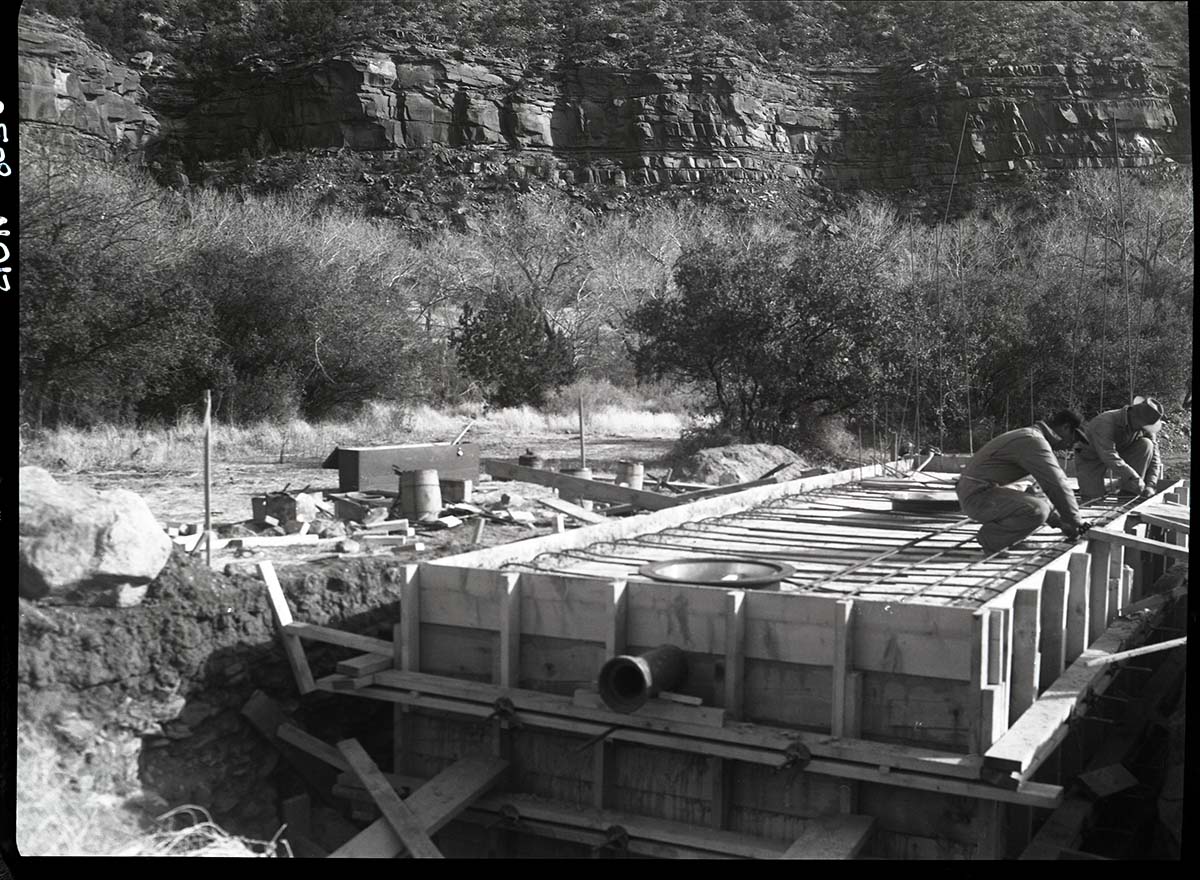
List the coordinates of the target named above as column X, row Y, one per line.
column 331, row 636
column 572, row 510
column 386, row 527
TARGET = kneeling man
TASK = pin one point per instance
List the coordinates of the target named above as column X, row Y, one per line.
column 1009, row 515
column 1122, row 441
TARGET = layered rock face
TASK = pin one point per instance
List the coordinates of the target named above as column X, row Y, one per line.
column 868, row 126
column 873, row 127
column 73, row 95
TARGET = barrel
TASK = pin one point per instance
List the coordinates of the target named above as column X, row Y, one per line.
column 630, row 473
column 420, row 494
column 583, row 473
column 530, row 459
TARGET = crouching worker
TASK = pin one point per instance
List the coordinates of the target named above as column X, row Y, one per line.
column 1009, row 515
column 1122, row 441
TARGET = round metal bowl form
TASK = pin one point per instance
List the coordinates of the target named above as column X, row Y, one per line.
column 716, row 571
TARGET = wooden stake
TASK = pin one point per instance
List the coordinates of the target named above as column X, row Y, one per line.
column 582, row 449
column 208, row 477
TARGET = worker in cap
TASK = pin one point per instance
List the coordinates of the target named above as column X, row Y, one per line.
column 1009, row 515
column 1122, row 441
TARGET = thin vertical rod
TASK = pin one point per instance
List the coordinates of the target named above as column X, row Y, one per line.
column 208, row 477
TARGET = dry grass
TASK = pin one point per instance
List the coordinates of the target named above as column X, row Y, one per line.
column 130, row 448
column 54, row 820
column 202, row 838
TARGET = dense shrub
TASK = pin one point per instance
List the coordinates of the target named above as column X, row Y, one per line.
column 511, row 350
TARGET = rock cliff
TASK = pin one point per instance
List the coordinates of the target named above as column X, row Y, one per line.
column 881, row 128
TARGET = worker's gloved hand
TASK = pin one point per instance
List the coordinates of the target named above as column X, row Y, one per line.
column 1147, row 490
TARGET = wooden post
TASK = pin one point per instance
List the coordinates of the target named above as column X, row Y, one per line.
column 406, row 656
column 1053, row 626
column 1116, row 570
column 510, row 630
column 1101, row 554
column 208, row 477
column 582, row 449
column 1079, row 571
column 283, row 617
column 843, row 656
column 735, row 666
column 1026, row 621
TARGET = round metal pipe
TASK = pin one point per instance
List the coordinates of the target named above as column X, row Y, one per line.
column 629, row 680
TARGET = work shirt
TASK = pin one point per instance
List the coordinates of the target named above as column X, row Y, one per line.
column 1021, row 453
column 1110, row 433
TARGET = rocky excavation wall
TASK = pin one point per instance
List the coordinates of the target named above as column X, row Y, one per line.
column 871, row 127
column 149, row 698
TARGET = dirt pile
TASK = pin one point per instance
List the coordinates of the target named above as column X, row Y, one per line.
column 725, row 465
column 145, row 702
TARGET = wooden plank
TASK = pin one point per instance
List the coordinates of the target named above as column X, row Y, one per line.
column 282, row 615
column 572, row 510
column 576, row 487
column 364, row 664
column 306, row 742
column 314, row 633
column 756, row 736
column 1133, row 542
column 831, row 837
column 1098, row 613
column 434, row 804
column 1116, row 570
column 1053, row 626
column 843, row 658
column 510, row 629
column 1078, row 577
column 667, row 710
column 409, row 827
column 280, row 541
column 1023, row 676
column 1040, row 729
column 734, row 692
column 1138, row 652
column 615, row 529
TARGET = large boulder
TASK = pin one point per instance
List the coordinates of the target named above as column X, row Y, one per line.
column 86, row 547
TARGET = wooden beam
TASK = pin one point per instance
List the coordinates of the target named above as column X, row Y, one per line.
column 843, row 658
column 409, row 827
column 330, row 636
column 1043, row 726
column 577, row 487
column 1078, row 577
column 1135, row 543
column 1138, row 652
column 282, row 615
column 572, row 510
column 364, row 664
column 1024, row 674
column 306, row 742
column 1053, row 628
column 433, row 804
column 735, row 661
column 406, row 655
column 832, row 837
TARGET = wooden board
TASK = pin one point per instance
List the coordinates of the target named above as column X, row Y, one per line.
column 407, row 825
column 572, row 510
column 576, row 487
column 283, row 619
column 370, row 468
column 433, row 804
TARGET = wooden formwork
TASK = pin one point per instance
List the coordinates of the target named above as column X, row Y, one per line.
column 817, row 719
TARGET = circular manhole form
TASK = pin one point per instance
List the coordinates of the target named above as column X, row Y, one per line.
column 714, row 571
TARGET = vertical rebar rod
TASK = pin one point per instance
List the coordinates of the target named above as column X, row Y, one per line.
column 582, row 447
